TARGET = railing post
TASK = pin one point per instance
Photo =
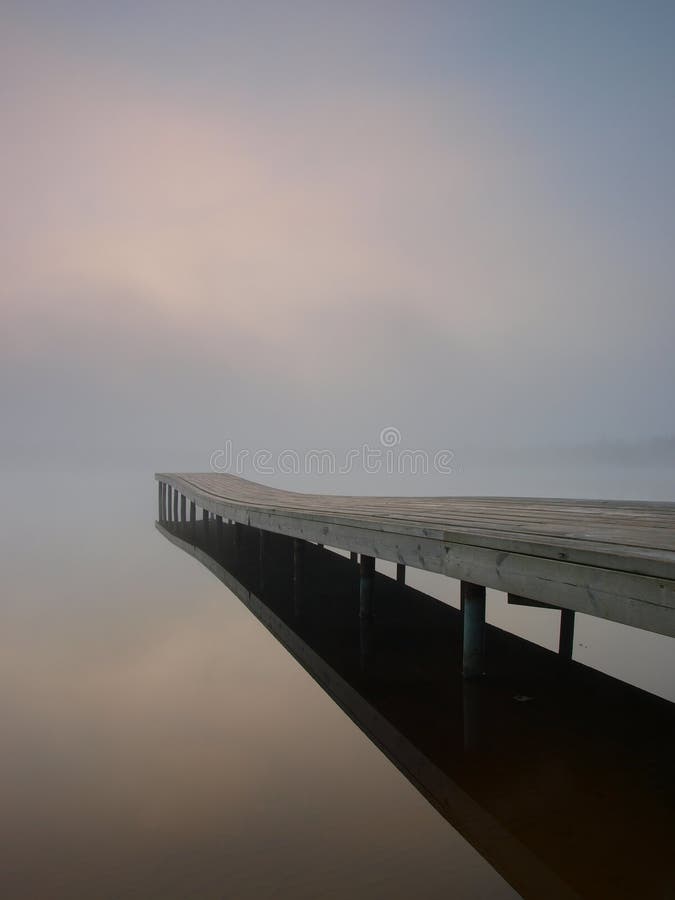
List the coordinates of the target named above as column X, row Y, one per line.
column 473, row 621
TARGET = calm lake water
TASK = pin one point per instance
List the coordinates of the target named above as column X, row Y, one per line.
column 158, row 741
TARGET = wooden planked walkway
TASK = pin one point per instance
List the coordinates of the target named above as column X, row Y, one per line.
column 613, row 559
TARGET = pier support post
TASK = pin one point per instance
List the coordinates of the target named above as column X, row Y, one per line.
column 168, row 502
column 366, row 584
column 175, row 505
column 400, row 573
column 205, row 515
column 183, row 505
column 262, row 542
column 159, row 501
column 473, row 619
column 354, row 557
column 566, row 643
column 193, row 511
column 298, row 573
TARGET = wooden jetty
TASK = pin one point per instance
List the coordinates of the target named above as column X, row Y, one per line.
column 611, row 559
column 559, row 775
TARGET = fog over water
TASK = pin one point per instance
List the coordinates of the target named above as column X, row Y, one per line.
column 293, row 227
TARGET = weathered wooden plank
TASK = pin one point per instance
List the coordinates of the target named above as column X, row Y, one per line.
column 590, row 537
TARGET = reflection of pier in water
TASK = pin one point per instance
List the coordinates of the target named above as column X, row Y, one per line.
column 559, row 775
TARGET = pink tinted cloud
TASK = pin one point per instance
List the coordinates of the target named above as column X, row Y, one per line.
column 247, row 231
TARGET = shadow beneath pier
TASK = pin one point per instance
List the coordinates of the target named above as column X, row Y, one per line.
column 559, row 775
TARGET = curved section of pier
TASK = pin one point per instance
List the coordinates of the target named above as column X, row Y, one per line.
column 612, row 559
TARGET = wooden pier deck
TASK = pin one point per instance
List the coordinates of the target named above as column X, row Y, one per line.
column 612, row 559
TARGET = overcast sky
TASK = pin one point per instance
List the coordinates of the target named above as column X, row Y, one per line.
column 291, row 224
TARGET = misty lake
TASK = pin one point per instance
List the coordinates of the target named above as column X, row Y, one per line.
column 395, row 249
column 159, row 741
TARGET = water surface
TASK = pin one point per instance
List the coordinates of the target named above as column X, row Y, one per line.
column 158, row 741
